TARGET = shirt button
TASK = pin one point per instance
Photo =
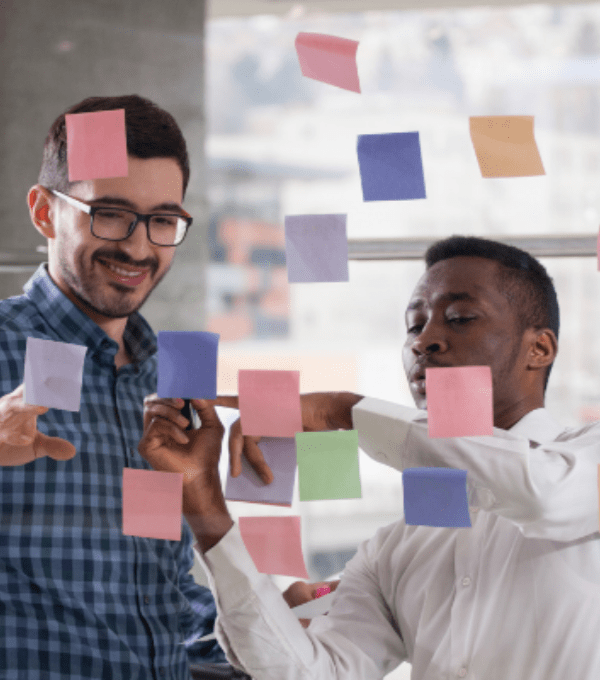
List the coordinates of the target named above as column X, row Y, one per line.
column 462, row 673
column 146, row 599
column 466, row 582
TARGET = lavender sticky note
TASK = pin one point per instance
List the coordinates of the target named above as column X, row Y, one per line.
column 152, row 504
column 53, row 373
column 96, row 145
column 390, row 165
column 436, row 497
column 280, row 456
column 187, row 364
column 316, row 248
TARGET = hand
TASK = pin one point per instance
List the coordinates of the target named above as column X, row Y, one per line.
column 320, row 411
column 20, row 440
column 301, row 592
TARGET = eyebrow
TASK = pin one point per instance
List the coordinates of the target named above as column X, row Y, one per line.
column 125, row 203
column 449, row 297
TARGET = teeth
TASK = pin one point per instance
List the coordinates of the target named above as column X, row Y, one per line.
column 122, row 272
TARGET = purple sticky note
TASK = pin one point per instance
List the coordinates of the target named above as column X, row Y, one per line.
column 187, row 364
column 274, row 544
column 329, row 59
column 436, row 497
column 316, row 248
column 152, row 504
column 391, row 168
column 96, row 145
column 459, row 401
column 269, row 403
column 280, row 456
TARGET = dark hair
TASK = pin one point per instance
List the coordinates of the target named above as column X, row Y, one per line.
column 151, row 133
column 522, row 279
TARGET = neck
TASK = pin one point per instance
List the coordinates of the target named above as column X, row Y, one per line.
column 505, row 416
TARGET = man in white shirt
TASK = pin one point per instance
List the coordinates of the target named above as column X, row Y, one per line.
column 517, row 595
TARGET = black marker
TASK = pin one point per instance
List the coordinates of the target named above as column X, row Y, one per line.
column 186, row 412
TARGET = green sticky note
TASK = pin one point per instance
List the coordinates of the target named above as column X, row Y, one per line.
column 328, row 465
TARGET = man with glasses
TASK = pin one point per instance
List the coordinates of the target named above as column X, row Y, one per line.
column 78, row 599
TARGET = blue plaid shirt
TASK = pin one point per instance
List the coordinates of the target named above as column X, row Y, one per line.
column 78, row 599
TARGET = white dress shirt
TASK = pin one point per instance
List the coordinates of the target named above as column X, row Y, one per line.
column 515, row 597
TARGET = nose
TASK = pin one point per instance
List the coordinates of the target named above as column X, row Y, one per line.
column 430, row 340
column 137, row 243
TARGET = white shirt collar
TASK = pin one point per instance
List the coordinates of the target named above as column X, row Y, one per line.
column 538, row 426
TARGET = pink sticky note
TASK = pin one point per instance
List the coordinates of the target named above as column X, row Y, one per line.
column 96, row 145
column 274, row 544
column 152, row 504
column 269, row 403
column 459, row 401
column 328, row 59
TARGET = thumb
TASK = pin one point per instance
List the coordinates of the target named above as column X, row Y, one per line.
column 207, row 412
column 53, row 447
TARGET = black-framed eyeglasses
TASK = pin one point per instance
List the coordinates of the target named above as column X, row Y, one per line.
column 117, row 224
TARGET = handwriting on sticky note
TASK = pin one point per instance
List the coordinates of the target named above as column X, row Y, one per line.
column 328, row 465
column 459, row 401
column 96, row 145
column 505, row 146
column 187, row 364
column 329, row 59
column 152, row 504
column 436, row 497
column 269, row 403
column 280, row 456
column 274, row 543
column 53, row 373
column 391, row 167
column 316, row 248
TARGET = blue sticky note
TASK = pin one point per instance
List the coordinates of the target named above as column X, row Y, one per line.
column 187, row 364
column 390, row 165
column 436, row 497
column 316, row 248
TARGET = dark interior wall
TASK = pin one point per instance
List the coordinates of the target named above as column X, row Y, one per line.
column 54, row 53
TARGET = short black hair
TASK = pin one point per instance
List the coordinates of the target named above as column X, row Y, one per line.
column 151, row 132
column 522, row 279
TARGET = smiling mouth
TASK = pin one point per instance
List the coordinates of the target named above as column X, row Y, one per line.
column 123, row 274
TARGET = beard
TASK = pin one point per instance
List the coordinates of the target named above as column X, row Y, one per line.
column 116, row 303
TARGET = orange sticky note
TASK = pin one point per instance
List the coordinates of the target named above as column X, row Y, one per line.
column 505, row 146
column 329, row 59
column 269, row 403
column 459, row 401
column 274, row 544
column 152, row 504
column 96, row 145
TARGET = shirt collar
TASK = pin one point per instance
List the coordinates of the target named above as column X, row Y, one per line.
column 537, row 426
column 74, row 326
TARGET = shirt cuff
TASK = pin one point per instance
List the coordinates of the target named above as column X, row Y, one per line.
column 383, row 428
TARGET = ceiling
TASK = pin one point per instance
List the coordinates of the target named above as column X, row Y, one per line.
column 240, row 8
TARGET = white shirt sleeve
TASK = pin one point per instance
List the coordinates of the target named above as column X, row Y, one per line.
column 260, row 634
column 548, row 491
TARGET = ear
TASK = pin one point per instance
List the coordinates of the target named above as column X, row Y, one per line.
column 39, row 200
column 543, row 348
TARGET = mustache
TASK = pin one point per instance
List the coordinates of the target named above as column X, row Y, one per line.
column 122, row 258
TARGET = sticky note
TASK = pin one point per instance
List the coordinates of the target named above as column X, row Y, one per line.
column 328, row 465
column 96, row 145
column 280, row 456
column 505, row 146
column 459, row 401
column 316, row 248
column 317, row 607
column 53, row 373
column 329, row 59
column 187, row 364
column 269, row 403
column 436, row 497
column 152, row 504
column 275, row 545
column 390, row 166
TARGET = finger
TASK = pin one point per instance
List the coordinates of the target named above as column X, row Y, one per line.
column 236, row 448
column 208, row 414
column 164, row 410
column 256, row 459
column 227, row 402
column 53, row 447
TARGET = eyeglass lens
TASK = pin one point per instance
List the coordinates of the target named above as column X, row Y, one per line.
column 165, row 230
